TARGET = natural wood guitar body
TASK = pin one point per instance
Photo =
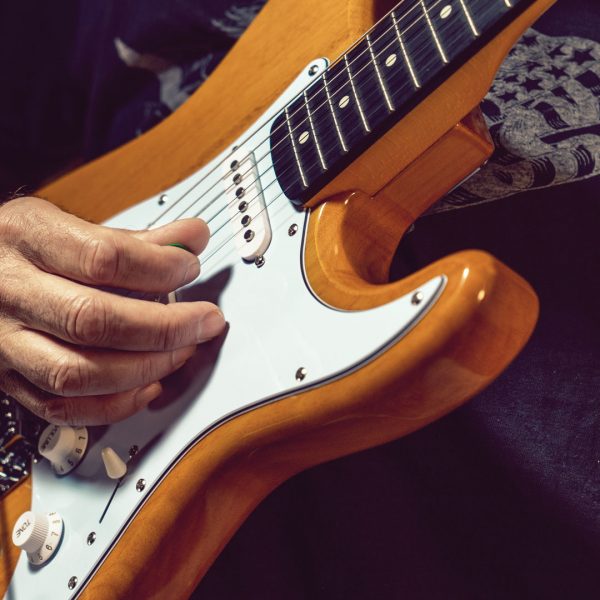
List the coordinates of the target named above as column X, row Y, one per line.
column 480, row 322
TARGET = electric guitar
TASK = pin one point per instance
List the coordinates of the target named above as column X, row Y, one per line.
column 308, row 172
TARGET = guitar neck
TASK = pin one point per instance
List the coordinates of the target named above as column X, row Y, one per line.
column 375, row 83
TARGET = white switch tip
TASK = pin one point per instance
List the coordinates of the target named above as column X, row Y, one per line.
column 114, row 465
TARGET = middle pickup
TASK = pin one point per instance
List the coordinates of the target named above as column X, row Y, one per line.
column 248, row 215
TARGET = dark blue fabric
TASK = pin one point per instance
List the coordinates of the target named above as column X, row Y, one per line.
column 501, row 499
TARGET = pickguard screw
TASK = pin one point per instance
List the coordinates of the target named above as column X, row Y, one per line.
column 293, row 230
column 133, row 451
column 313, row 70
column 300, row 374
column 140, row 485
column 91, row 538
column 72, row 583
column 163, row 199
column 259, row 261
column 417, row 298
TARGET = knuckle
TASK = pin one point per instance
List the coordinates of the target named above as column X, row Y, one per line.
column 56, row 411
column 147, row 370
column 86, row 321
column 13, row 220
column 169, row 333
column 101, row 260
column 66, row 376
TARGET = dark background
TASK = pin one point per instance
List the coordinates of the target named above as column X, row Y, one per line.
column 501, row 499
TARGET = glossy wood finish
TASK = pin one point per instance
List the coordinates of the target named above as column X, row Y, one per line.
column 480, row 322
column 11, row 507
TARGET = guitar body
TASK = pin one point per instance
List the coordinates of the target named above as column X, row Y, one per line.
column 323, row 356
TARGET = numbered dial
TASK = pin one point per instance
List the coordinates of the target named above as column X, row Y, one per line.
column 38, row 535
column 63, row 446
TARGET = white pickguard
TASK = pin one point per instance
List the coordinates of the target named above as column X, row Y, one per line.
column 276, row 326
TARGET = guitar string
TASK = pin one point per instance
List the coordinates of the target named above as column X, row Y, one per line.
column 342, row 119
column 399, row 18
column 246, row 140
column 221, row 245
column 229, row 239
column 289, row 165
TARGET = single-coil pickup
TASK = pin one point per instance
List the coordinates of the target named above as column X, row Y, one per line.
column 248, row 214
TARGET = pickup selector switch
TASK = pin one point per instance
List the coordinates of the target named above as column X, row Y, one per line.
column 115, row 467
column 63, row 446
column 38, row 535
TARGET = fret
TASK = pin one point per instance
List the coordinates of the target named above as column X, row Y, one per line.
column 358, row 103
column 294, row 148
column 486, row 12
column 419, row 43
column 312, row 128
column 386, row 94
column 469, row 18
column 434, row 33
column 407, row 59
column 344, row 104
column 454, row 23
column 333, row 114
column 375, row 83
column 393, row 68
column 329, row 149
column 312, row 142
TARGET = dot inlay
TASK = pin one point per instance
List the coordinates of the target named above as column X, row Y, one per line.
column 344, row 102
column 303, row 137
column 445, row 12
column 390, row 60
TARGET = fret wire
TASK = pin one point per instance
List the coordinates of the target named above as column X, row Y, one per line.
column 386, row 95
column 312, row 128
column 508, row 3
column 360, row 110
column 225, row 243
column 433, row 33
column 469, row 18
column 404, row 53
column 295, row 150
column 335, row 120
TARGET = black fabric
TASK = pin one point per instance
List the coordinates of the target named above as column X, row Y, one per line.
column 501, row 499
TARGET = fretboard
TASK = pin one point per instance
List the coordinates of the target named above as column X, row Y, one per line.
column 392, row 68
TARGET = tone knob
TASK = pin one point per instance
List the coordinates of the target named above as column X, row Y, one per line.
column 38, row 535
column 63, row 446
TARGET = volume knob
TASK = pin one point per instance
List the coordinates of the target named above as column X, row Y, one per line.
column 63, row 446
column 38, row 535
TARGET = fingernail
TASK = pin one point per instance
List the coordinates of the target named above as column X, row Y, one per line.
column 146, row 394
column 211, row 325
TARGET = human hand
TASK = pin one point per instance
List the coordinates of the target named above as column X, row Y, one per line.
column 74, row 354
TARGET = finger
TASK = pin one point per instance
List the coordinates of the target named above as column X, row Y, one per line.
column 65, row 370
column 87, row 410
column 191, row 233
column 92, row 317
column 63, row 244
